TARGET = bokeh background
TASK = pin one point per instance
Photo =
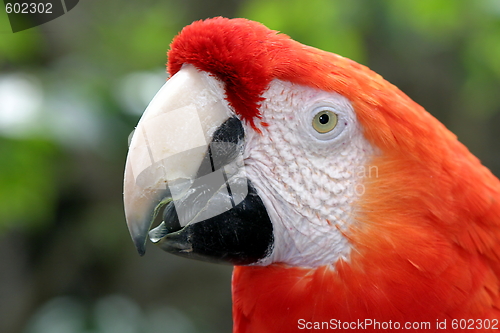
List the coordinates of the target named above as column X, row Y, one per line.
column 72, row 90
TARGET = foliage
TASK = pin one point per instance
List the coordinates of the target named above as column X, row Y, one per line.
column 27, row 194
column 334, row 26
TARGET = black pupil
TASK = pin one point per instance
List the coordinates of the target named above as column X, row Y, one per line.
column 324, row 119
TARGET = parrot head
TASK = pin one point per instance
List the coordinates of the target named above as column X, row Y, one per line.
column 252, row 158
column 259, row 150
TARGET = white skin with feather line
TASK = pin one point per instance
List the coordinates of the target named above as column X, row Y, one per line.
column 308, row 181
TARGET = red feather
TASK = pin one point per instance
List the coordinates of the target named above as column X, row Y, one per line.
column 426, row 242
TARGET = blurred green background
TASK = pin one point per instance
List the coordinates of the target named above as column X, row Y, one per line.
column 73, row 89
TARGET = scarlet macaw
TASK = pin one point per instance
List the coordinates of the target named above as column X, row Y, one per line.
column 338, row 199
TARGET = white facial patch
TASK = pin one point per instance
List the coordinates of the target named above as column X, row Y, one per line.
column 308, row 182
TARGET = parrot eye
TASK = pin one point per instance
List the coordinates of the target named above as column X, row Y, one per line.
column 324, row 121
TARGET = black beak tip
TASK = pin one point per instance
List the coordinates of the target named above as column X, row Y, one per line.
column 141, row 252
column 139, row 234
column 140, row 245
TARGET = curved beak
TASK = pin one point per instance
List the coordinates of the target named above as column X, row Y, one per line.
column 168, row 146
column 187, row 154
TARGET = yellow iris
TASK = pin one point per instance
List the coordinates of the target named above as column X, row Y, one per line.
column 324, row 121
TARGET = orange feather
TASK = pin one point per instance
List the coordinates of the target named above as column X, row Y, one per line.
column 426, row 239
